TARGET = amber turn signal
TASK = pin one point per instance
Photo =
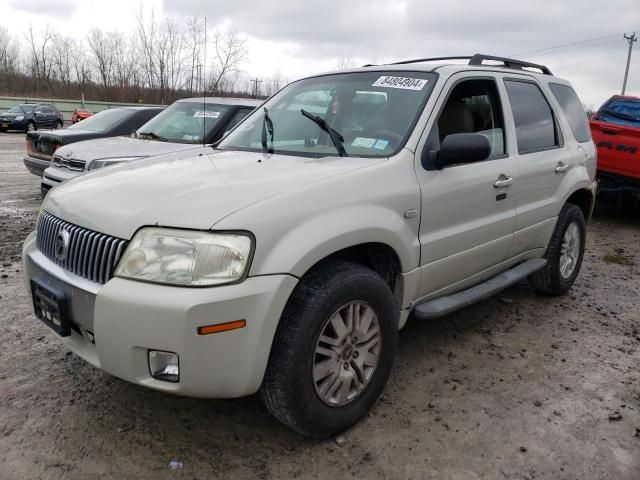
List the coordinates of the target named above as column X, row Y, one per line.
column 222, row 327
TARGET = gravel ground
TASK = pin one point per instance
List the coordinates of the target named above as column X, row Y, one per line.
column 520, row 386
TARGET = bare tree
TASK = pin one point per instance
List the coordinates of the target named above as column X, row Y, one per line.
column 9, row 52
column 39, row 47
column 275, row 83
column 344, row 62
column 102, row 52
column 194, row 39
column 64, row 51
column 230, row 52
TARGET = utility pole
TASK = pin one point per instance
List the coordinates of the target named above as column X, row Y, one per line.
column 631, row 39
column 255, row 82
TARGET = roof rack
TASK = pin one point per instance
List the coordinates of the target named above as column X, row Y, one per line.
column 478, row 60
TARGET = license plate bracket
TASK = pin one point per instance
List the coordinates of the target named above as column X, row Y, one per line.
column 51, row 307
column 5, row 125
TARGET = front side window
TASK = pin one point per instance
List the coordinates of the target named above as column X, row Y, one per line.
column 184, row 122
column 103, row 120
column 533, row 117
column 473, row 106
column 572, row 108
column 368, row 114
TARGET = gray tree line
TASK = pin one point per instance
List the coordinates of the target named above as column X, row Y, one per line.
column 159, row 61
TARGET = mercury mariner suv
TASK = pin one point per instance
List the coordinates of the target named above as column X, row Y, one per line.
column 285, row 258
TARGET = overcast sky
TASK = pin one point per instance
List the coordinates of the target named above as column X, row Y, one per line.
column 302, row 37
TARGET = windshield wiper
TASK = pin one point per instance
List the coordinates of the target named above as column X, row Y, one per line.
column 335, row 136
column 153, row 135
column 267, row 124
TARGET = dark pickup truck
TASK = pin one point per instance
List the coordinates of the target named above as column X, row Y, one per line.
column 616, row 132
column 114, row 122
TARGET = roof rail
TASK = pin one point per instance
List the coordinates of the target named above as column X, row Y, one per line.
column 478, row 60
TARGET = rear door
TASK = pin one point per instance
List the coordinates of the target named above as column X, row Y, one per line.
column 543, row 158
column 468, row 210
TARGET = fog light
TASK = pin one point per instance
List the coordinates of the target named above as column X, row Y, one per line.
column 164, row 366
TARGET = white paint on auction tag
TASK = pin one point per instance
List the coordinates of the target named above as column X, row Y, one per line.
column 400, row 82
column 200, row 114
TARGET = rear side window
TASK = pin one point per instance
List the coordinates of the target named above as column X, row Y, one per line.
column 533, row 117
column 572, row 108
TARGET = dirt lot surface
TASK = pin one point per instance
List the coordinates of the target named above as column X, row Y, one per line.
column 519, row 387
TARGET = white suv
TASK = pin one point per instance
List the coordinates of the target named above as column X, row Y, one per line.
column 286, row 258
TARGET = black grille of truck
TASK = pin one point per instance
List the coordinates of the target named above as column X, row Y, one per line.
column 88, row 254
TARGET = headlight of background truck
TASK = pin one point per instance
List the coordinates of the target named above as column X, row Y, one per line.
column 186, row 257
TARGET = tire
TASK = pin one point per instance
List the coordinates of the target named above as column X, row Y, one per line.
column 552, row 279
column 289, row 390
column 59, row 124
column 31, row 126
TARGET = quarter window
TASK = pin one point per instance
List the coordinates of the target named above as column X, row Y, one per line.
column 533, row 117
column 572, row 108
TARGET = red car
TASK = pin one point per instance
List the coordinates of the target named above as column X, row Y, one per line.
column 616, row 132
column 80, row 114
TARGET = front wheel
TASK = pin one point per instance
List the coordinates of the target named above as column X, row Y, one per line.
column 564, row 253
column 333, row 351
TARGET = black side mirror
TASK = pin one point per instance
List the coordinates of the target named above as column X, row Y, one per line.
column 460, row 148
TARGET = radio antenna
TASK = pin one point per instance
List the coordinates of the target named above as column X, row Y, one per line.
column 204, row 85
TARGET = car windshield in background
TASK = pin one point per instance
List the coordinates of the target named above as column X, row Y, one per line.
column 21, row 109
column 621, row 111
column 368, row 114
column 184, row 122
column 103, row 120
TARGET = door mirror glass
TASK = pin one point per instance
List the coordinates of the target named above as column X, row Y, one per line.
column 460, row 148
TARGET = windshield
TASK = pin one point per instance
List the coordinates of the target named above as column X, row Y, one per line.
column 103, row 120
column 621, row 111
column 184, row 122
column 368, row 114
column 21, row 109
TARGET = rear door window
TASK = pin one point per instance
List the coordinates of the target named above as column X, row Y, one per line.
column 533, row 117
column 572, row 108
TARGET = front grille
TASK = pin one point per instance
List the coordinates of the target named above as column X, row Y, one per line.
column 69, row 163
column 91, row 255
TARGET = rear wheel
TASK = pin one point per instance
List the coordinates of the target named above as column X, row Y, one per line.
column 564, row 253
column 31, row 126
column 59, row 124
column 333, row 351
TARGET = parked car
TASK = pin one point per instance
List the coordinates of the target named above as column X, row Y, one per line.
column 183, row 125
column 286, row 259
column 80, row 114
column 108, row 123
column 27, row 117
column 616, row 132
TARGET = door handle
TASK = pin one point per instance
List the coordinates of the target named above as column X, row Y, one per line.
column 561, row 167
column 503, row 181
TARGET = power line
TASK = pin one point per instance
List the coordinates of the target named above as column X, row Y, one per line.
column 567, row 45
column 572, row 49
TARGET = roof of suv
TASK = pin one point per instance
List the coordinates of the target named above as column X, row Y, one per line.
column 245, row 102
column 446, row 64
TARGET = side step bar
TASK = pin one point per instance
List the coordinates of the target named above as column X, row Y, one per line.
column 445, row 305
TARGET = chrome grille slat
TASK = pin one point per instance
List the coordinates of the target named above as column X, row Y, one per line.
column 90, row 254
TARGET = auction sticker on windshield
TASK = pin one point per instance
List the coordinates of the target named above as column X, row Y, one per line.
column 400, row 82
column 200, row 114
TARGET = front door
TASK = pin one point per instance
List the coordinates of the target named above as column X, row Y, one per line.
column 468, row 211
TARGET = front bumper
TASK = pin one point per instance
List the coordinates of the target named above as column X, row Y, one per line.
column 13, row 125
column 37, row 166
column 54, row 176
column 120, row 321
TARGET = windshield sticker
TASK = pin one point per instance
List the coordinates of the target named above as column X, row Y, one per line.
column 400, row 82
column 381, row 144
column 200, row 114
column 363, row 142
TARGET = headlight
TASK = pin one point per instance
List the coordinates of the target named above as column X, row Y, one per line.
column 96, row 164
column 19, row 118
column 185, row 257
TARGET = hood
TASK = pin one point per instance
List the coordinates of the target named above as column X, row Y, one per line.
column 120, row 147
column 10, row 115
column 194, row 191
